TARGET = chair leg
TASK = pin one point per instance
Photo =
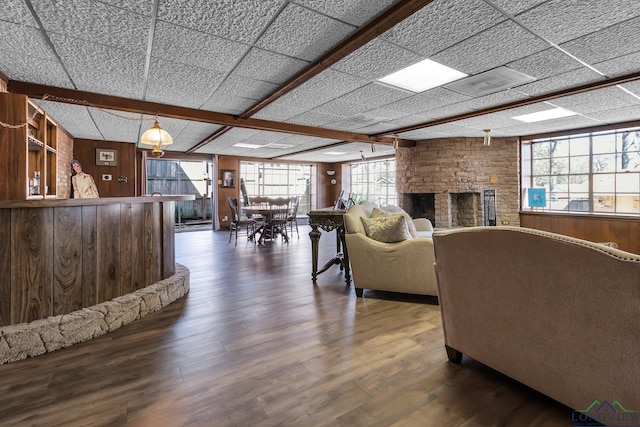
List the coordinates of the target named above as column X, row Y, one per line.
column 230, row 232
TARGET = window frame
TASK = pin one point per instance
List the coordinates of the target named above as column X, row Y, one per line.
column 370, row 169
column 579, row 187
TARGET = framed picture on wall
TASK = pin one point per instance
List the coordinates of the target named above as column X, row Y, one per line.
column 228, row 178
column 106, row 157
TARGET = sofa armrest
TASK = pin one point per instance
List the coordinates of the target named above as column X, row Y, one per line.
column 423, row 224
column 400, row 267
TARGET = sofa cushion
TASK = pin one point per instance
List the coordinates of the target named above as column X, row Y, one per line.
column 395, row 210
column 387, row 229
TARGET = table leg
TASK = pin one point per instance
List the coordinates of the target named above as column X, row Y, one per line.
column 345, row 255
column 315, row 240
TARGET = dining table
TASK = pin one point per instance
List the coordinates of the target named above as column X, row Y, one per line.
column 267, row 212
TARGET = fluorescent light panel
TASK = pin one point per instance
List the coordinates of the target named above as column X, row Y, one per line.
column 335, row 153
column 422, row 76
column 555, row 113
column 244, row 145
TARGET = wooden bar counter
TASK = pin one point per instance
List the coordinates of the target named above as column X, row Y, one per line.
column 60, row 255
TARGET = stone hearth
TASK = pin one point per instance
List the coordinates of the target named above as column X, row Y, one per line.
column 42, row 336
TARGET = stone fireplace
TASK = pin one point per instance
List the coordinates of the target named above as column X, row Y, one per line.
column 456, row 209
column 419, row 205
column 444, row 180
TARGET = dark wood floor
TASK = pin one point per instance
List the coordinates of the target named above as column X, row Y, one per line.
column 255, row 344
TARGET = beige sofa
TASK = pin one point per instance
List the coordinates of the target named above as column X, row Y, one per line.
column 405, row 266
column 558, row 314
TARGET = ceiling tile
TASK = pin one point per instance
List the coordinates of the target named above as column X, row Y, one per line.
column 269, row 66
column 137, row 6
column 628, row 113
column 303, row 34
column 242, row 21
column 609, row 98
column 228, row 104
column 322, row 88
column 562, row 20
column 122, row 127
column 277, row 112
column 567, row 123
column 363, row 99
column 522, row 129
column 191, row 134
column 244, row 87
column 611, row 42
column 516, row 7
column 100, row 68
column 85, row 19
column 355, row 12
column 313, row 118
column 73, row 118
column 633, row 87
column 442, row 24
column 196, row 48
column 619, row 66
column 489, row 121
column 17, row 12
column 178, row 84
column 570, row 79
column 26, row 57
column 489, row 49
column 504, row 97
column 428, row 100
column 377, row 59
column 546, row 63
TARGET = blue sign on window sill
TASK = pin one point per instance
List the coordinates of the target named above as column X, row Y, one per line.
column 537, row 197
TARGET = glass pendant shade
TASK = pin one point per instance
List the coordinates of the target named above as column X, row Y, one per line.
column 156, row 136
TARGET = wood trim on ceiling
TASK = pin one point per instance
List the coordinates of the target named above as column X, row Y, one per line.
column 89, row 99
column 590, row 129
column 522, row 102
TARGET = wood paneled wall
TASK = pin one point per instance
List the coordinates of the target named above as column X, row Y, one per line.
column 625, row 231
column 229, row 163
column 54, row 260
column 84, row 151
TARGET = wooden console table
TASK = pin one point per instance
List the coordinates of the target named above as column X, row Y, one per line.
column 328, row 219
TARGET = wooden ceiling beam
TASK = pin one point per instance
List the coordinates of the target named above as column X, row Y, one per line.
column 377, row 26
column 89, row 99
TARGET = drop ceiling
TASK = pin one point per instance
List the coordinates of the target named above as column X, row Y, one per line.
column 238, row 59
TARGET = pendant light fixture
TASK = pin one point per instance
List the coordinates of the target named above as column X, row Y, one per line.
column 487, row 138
column 156, row 137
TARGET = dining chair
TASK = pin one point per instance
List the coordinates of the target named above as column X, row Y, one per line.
column 277, row 224
column 238, row 223
column 292, row 218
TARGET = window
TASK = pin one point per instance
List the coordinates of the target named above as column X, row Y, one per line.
column 374, row 181
column 596, row 172
column 276, row 180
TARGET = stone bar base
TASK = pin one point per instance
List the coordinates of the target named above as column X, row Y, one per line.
column 42, row 336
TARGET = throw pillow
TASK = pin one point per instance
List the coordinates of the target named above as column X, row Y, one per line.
column 394, row 210
column 387, row 229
